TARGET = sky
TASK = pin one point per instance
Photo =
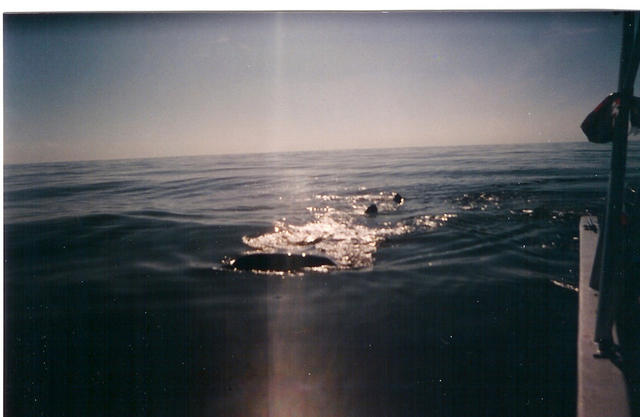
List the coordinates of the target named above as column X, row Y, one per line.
column 104, row 86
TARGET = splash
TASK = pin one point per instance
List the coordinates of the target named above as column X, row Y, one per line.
column 341, row 232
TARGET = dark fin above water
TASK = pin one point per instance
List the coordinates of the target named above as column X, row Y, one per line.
column 398, row 198
column 372, row 209
column 280, row 262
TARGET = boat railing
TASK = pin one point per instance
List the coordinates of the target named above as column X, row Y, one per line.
column 609, row 304
column 609, row 271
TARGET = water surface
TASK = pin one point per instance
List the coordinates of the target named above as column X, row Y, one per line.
column 118, row 300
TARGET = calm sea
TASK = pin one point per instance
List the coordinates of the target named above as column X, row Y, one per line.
column 118, row 300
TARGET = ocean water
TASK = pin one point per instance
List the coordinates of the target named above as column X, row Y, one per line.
column 119, row 300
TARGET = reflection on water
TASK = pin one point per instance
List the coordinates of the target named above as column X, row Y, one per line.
column 402, row 352
column 305, row 372
column 341, row 232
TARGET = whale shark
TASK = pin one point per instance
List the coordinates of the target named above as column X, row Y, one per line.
column 280, row 262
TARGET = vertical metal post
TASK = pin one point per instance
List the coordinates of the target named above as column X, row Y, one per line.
column 611, row 272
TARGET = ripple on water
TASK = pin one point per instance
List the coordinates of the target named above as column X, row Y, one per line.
column 340, row 231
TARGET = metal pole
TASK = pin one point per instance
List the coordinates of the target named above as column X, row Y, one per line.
column 611, row 278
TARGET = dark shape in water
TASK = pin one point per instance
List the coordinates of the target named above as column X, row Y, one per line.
column 279, row 262
column 541, row 213
column 398, row 198
column 372, row 209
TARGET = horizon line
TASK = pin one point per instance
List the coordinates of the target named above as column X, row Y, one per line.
column 134, row 158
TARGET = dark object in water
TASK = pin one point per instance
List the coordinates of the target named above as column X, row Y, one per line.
column 279, row 262
column 372, row 209
column 398, row 198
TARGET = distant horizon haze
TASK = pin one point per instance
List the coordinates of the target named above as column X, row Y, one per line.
column 269, row 152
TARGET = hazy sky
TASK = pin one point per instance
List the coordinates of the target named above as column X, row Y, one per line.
column 80, row 87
